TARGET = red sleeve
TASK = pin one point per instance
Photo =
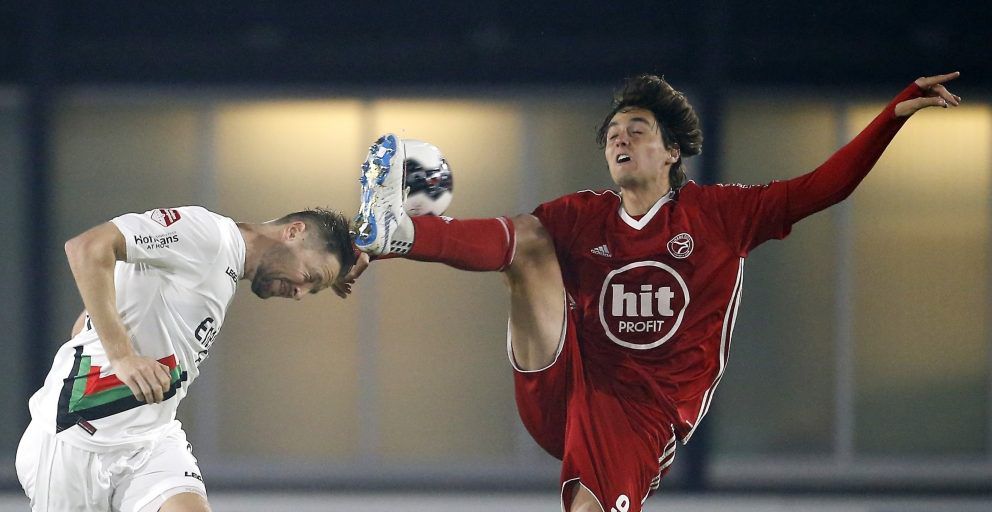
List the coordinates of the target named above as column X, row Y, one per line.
column 747, row 214
column 835, row 179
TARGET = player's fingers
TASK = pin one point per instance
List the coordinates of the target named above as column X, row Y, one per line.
column 946, row 95
column 144, row 391
column 927, row 82
column 909, row 107
column 951, row 99
column 132, row 384
column 361, row 264
column 164, row 377
column 136, row 391
column 155, row 390
column 930, row 101
column 163, row 381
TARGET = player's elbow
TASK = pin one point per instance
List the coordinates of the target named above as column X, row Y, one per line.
column 86, row 248
column 74, row 247
column 77, row 249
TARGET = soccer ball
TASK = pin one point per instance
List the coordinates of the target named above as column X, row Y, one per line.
column 428, row 179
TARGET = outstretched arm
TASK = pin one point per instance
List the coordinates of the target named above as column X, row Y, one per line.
column 836, row 178
column 92, row 257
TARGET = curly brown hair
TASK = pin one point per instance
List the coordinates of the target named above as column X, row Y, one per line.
column 677, row 119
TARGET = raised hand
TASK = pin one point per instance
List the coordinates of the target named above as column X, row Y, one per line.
column 934, row 95
column 342, row 286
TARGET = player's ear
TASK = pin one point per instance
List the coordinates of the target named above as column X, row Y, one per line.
column 294, row 230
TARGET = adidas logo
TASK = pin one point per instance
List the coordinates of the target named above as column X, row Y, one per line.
column 602, row 250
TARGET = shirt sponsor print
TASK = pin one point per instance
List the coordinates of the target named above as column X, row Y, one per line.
column 641, row 305
column 151, row 242
column 206, row 333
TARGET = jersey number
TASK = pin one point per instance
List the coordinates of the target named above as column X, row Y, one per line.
column 622, row 505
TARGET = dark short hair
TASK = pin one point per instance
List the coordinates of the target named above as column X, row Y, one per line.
column 333, row 229
column 676, row 118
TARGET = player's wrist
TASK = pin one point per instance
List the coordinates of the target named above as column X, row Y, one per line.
column 119, row 350
column 912, row 91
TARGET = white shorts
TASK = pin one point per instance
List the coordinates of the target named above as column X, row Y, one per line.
column 60, row 477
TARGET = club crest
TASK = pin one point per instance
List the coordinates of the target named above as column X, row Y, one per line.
column 680, row 246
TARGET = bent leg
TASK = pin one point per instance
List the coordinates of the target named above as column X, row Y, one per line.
column 169, row 480
column 537, row 297
column 617, row 448
column 523, row 250
column 466, row 244
column 58, row 477
column 582, row 499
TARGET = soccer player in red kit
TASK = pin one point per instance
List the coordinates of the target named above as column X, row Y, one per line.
column 622, row 304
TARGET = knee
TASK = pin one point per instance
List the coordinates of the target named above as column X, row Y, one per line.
column 534, row 245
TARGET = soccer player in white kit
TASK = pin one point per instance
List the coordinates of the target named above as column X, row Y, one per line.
column 156, row 287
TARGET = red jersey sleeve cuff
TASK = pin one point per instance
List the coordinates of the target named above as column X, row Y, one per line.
column 911, row 91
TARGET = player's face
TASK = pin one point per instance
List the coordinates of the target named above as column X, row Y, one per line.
column 634, row 150
column 293, row 271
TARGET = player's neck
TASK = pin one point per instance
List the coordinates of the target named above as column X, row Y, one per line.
column 637, row 201
column 254, row 240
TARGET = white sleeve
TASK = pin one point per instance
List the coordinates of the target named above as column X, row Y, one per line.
column 172, row 238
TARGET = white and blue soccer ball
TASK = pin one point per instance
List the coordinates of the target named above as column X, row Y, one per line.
column 428, row 179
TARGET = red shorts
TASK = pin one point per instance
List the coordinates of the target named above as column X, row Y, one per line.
column 613, row 446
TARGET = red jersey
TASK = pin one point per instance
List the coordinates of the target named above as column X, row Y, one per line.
column 655, row 298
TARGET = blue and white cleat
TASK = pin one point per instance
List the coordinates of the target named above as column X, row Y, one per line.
column 381, row 225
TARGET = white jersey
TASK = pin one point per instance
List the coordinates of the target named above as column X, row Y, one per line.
column 173, row 291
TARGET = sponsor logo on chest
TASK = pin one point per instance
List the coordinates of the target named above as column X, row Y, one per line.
column 641, row 305
column 157, row 241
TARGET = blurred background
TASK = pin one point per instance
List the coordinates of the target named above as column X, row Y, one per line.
column 862, row 355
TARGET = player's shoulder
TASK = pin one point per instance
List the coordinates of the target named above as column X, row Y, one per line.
column 193, row 223
column 199, row 212
column 693, row 191
column 585, row 199
column 194, row 217
column 581, row 203
column 689, row 189
column 597, row 195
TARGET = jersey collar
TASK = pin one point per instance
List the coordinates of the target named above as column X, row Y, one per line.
column 639, row 224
